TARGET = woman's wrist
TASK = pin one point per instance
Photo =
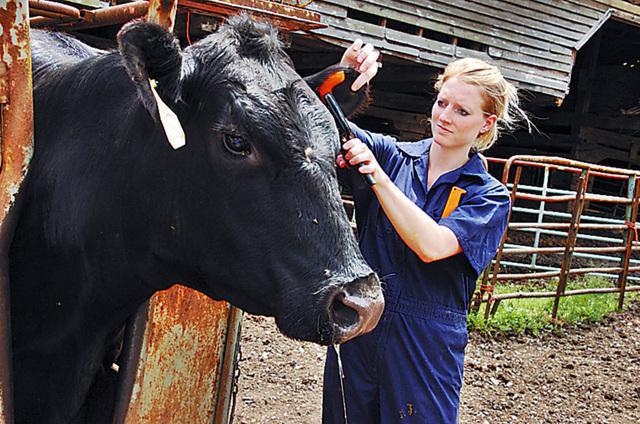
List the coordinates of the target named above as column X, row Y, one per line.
column 382, row 179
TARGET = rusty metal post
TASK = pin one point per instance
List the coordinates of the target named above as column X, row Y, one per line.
column 16, row 99
column 576, row 214
column 630, row 236
column 163, row 13
column 496, row 266
column 477, row 301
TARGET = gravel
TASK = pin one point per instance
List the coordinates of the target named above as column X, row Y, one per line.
column 586, row 374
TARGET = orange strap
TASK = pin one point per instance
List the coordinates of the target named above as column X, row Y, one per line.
column 453, row 201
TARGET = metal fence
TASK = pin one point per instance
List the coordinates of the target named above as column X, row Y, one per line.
column 563, row 224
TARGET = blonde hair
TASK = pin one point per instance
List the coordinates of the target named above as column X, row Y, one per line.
column 500, row 96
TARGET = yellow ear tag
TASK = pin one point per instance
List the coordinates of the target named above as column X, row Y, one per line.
column 170, row 122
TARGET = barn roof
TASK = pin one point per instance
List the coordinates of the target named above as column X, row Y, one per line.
column 534, row 42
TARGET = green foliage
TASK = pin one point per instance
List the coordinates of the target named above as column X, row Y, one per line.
column 532, row 316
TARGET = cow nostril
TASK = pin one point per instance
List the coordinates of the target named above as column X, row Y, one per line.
column 343, row 315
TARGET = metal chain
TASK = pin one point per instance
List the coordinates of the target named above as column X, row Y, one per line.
column 236, row 375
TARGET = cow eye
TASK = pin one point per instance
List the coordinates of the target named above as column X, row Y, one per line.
column 236, row 145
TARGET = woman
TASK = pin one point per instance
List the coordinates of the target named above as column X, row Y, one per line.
column 429, row 226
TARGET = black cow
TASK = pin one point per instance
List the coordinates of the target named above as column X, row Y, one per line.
column 247, row 211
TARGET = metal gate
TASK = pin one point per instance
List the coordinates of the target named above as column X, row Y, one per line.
column 559, row 210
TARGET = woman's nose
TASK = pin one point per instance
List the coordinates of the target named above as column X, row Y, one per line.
column 445, row 115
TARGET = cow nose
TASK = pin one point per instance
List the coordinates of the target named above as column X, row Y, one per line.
column 355, row 308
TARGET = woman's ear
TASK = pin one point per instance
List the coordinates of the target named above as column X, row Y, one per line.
column 489, row 122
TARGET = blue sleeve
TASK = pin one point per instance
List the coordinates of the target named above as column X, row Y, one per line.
column 479, row 223
column 383, row 148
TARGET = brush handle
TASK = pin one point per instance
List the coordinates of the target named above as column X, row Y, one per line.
column 345, row 130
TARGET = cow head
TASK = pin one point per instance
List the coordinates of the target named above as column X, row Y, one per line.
column 256, row 218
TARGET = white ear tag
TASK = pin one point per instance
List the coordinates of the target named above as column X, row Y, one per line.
column 170, row 122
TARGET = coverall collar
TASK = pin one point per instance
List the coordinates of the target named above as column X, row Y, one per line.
column 419, row 150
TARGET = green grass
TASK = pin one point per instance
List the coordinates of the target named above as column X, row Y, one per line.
column 532, row 316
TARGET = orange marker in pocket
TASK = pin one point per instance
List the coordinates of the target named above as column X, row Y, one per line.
column 453, row 201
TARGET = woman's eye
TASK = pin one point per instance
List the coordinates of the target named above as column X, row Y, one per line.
column 441, row 103
column 463, row 112
column 236, row 145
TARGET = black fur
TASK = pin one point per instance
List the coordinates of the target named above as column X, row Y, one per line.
column 112, row 213
column 150, row 52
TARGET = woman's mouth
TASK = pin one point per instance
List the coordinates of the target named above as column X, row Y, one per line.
column 443, row 129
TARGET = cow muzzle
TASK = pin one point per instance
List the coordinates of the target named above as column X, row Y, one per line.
column 355, row 308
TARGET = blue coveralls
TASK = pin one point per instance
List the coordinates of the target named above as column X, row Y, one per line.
column 409, row 369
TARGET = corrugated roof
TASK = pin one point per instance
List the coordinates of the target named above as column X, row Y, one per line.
column 534, row 42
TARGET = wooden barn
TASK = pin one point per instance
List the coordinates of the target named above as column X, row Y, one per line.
column 577, row 63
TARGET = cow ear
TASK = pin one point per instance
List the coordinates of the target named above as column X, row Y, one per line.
column 153, row 60
column 351, row 102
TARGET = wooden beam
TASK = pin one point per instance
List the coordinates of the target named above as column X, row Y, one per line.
column 625, row 6
column 594, row 28
column 608, row 138
column 592, row 120
column 626, row 17
column 403, row 102
column 586, row 81
column 407, row 121
column 552, row 10
column 567, row 6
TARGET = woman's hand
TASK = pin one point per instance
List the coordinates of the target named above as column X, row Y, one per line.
column 356, row 152
column 363, row 59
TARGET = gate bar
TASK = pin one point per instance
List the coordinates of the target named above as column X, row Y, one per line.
column 630, row 236
column 578, row 205
column 16, row 100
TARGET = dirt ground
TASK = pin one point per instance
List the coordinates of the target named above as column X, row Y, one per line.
column 588, row 374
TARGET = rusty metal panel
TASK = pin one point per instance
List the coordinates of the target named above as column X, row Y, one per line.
column 182, row 359
column 52, row 9
column 16, row 101
column 113, row 14
column 162, row 12
column 289, row 18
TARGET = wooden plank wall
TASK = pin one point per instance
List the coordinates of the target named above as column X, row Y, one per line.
column 533, row 41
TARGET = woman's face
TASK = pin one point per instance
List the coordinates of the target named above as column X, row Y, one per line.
column 457, row 116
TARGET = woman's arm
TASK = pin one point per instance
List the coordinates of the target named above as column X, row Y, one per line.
column 425, row 237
